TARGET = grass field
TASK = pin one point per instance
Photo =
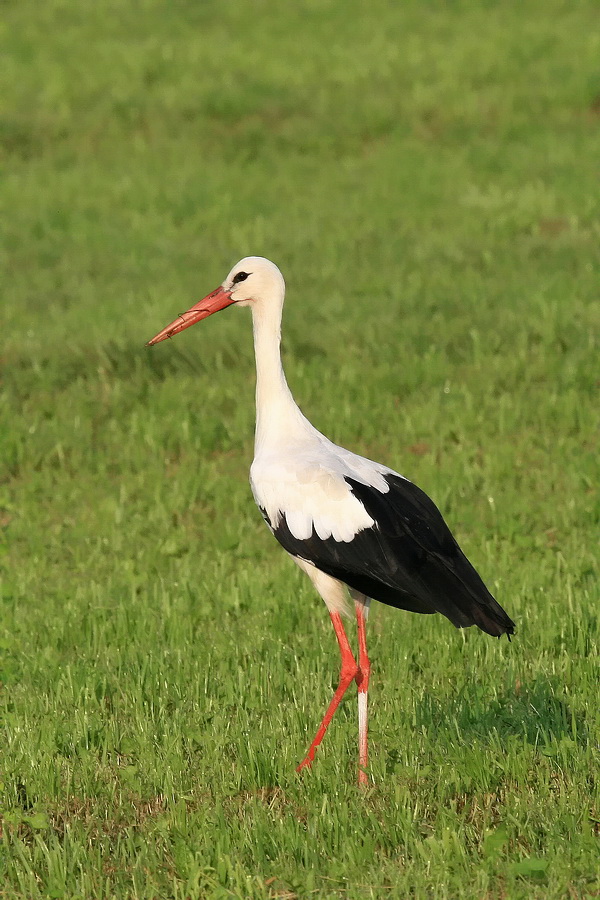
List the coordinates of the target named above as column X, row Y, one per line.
column 426, row 176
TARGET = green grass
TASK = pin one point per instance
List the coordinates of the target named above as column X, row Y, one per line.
column 425, row 174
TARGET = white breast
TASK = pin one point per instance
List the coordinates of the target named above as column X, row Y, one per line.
column 307, row 485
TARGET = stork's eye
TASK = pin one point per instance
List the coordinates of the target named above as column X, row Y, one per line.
column 240, row 276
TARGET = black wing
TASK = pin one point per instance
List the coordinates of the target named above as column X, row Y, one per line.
column 408, row 559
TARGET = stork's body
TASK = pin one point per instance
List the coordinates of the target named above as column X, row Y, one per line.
column 347, row 521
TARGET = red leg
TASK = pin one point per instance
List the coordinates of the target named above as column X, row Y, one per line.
column 348, row 673
column 362, row 680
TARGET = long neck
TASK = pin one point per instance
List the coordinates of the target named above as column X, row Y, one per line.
column 277, row 417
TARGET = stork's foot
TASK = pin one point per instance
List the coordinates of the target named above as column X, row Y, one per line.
column 305, row 764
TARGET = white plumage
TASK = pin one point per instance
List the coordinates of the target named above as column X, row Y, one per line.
column 309, row 487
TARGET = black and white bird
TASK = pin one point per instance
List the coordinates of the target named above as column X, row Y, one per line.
column 353, row 525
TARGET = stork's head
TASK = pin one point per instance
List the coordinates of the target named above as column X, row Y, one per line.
column 254, row 281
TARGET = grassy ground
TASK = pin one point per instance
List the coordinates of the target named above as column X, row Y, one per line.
column 425, row 174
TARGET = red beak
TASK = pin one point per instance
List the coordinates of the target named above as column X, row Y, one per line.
column 219, row 299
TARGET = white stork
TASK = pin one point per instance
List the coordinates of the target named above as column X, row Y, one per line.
column 348, row 522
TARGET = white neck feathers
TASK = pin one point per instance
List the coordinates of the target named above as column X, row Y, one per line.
column 277, row 417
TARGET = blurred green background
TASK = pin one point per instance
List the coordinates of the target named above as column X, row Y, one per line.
column 426, row 177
